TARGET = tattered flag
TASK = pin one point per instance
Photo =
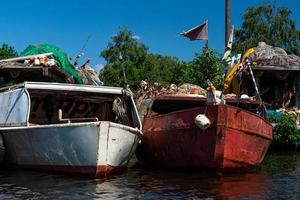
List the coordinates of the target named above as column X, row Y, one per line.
column 199, row 32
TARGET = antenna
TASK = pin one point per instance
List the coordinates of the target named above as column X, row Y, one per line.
column 82, row 50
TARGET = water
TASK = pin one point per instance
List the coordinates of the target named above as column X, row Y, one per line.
column 279, row 178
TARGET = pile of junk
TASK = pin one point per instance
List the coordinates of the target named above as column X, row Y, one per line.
column 46, row 63
column 269, row 74
column 147, row 92
column 277, row 76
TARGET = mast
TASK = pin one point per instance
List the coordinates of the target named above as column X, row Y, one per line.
column 227, row 20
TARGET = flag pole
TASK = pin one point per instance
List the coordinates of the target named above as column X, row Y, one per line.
column 206, row 21
column 227, row 20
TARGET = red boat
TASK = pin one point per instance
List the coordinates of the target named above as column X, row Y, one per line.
column 237, row 138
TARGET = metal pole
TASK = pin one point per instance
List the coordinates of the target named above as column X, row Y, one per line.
column 227, row 20
column 124, row 76
column 253, row 79
column 262, row 106
column 123, row 70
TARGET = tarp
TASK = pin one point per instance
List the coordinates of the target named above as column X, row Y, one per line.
column 269, row 57
column 59, row 56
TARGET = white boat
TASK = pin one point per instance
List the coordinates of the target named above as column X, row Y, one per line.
column 79, row 129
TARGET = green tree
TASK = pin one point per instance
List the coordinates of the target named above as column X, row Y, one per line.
column 138, row 63
column 269, row 24
column 205, row 65
column 7, row 51
column 133, row 56
column 158, row 68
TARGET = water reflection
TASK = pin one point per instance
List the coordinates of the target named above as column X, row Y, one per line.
column 284, row 171
column 204, row 185
column 278, row 179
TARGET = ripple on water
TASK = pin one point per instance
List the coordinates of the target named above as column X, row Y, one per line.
column 278, row 179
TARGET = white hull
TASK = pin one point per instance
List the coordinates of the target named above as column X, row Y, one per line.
column 93, row 148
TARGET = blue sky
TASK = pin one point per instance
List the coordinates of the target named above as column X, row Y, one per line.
column 67, row 23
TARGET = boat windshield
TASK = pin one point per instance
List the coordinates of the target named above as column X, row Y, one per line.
column 53, row 107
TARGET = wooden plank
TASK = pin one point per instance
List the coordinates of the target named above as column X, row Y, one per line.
column 26, row 57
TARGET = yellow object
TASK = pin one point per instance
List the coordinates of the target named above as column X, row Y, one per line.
column 211, row 86
column 232, row 73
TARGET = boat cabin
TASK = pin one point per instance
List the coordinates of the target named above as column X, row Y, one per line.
column 37, row 103
column 278, row 88
column 15, row 72
column 277, row 75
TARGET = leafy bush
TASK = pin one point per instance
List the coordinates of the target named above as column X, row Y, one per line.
column 286, row 131
column 7, row 51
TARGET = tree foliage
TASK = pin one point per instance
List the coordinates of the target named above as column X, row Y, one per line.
column 158, row 68
column 7, row 51
column 269, row 24
column 133, row 56
column 140, row 65
column 286, row 131
column 205, row 65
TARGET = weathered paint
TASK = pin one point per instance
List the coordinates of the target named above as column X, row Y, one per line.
column 65, row 87
column 15, row 101
column 236, row 139
column 93, row 149
column 2, row 149
column 14, row 107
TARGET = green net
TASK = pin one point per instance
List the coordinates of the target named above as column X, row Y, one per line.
column 59, row 56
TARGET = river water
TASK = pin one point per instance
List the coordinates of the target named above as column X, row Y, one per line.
column 279, row 178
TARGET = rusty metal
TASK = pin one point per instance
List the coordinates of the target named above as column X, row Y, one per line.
column 237, row 139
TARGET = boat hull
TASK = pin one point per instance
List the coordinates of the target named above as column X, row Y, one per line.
column 94, row 149
column 236, row 139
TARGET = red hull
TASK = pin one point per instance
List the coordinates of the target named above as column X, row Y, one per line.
column 99, row 171
column 236, row 139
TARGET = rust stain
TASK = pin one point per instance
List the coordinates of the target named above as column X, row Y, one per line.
column 227, row 144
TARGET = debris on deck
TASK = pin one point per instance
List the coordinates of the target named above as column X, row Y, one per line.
column 45, row 63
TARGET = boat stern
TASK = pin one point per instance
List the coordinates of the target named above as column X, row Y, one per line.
column 117, row 144
column 244, row 139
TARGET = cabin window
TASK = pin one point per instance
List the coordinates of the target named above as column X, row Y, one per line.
column 75, row 107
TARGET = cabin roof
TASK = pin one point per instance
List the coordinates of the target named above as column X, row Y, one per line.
column 65, row 87
column 266, row 57
column 276, row 68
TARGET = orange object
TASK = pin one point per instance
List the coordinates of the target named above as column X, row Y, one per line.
column 195, row 91
column 43, row 62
